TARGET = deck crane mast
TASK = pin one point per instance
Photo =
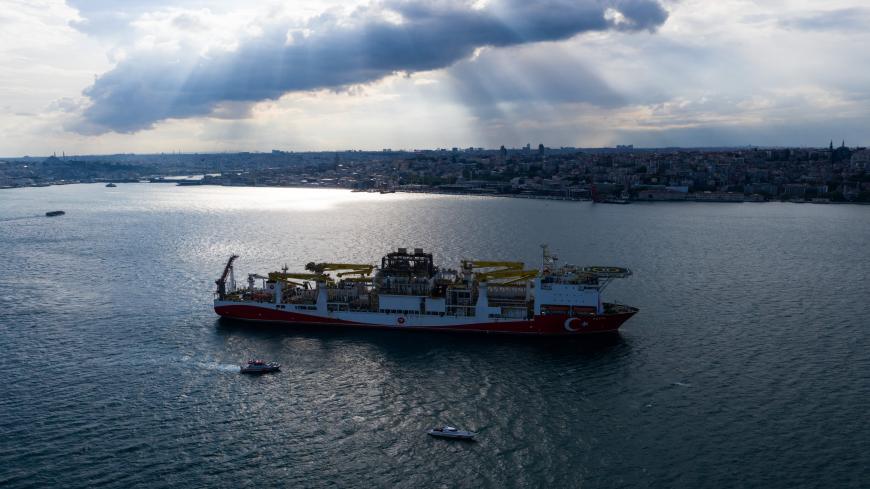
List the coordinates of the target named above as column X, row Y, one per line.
column 226, row 276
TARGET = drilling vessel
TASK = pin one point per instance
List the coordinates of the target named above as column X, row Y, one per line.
column 409, row 292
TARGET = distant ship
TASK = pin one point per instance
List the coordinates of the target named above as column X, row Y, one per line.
column 599, row 199
column 620, row 200
column 54, row 213
column 110, row 184
column 408, row 292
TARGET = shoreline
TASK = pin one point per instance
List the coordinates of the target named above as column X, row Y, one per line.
column 469, row 194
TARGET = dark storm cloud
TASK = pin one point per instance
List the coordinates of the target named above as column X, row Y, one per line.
column 337, row 52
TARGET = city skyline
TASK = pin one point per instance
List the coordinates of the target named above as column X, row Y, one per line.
column 88, row 77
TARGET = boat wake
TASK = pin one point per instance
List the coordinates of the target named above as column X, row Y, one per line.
column 220, row 367
column 22, row 218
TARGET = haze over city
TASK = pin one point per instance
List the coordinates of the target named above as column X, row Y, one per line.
column 95, row 77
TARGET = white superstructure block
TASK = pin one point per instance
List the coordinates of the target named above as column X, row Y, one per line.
column 400, row 302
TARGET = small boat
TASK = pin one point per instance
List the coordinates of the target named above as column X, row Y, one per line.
column 111, row 185
column 260, row 367
column 451, row 432
column 54, row 213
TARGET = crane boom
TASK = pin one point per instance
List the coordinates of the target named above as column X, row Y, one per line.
column 222, row 282
column 497, row 270
column 507, row 265
column 361, row 269
column 284, row 276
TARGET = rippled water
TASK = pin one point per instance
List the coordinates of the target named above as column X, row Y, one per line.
column 748, row 365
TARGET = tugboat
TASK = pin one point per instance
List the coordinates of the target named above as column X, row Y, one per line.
column 260, row 367
column 54, row 213
column 451, row 432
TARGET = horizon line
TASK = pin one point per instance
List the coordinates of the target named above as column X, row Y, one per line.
column 626, row 148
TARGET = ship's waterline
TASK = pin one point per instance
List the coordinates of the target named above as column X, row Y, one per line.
column 555, row 325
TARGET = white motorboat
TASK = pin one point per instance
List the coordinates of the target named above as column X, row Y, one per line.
column 260, row 367
column 451, row 432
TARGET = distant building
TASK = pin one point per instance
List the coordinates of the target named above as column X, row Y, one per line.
column 761, row 188
column 717, row 197
column 795, row 189
column 659, row 195
column 861, row 159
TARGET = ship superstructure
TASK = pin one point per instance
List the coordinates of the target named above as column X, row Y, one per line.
column 408, row 291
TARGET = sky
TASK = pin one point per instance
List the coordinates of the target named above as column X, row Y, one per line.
column 146, row 76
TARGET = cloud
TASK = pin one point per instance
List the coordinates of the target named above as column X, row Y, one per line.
column 333, row 51
column 500, row 83
column 847, row 19
column 110, row 18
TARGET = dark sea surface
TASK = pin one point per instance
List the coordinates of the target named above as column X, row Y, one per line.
column 747, row 366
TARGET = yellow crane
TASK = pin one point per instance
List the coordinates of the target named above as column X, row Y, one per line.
column 361, row 269
column 504, row 265
column 512, row 270
column 287, row 277
column 304, row 284
column 358, row 279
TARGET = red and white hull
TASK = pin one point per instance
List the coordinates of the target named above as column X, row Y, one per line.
column 550, row 325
